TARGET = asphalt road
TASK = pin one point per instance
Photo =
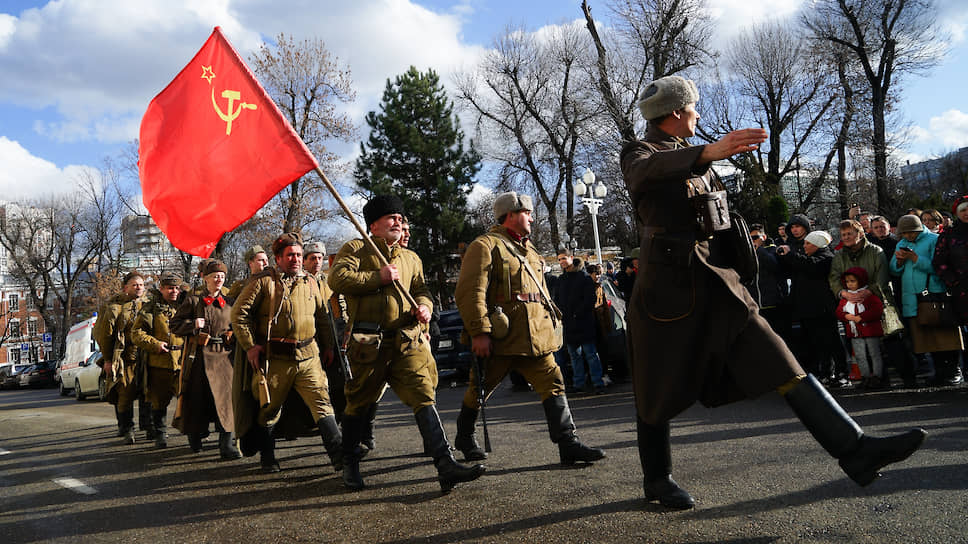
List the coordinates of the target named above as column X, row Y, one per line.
column 756, row 474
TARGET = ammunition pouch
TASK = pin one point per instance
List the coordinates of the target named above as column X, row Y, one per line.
column 733, row 248
column 712, row 212
column 365, row 342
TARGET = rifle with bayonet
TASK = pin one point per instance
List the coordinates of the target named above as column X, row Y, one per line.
column 340, row 345
column 482, row 400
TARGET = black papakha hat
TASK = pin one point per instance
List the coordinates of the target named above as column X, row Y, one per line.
column 381, row 205
column 286, row 240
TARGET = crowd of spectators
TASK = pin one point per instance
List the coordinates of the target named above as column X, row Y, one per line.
column 898, row 295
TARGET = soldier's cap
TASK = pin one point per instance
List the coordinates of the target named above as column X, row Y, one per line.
column 511, row 201
column 214, row 265
column 313, row 247
column 202, row 264
column 171, row 279
column 381, row 205
column 666, row 95
column 286, row 240
column 252, row 252
column 132, row 275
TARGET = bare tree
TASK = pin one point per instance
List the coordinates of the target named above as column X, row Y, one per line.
column 530, row 95
column 54, row 244
column 307, row 83
column 653, row 39
column 889, row 39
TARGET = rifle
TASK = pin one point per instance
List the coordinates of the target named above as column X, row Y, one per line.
column 187, row 360
column 344, row 363
column 482, row 399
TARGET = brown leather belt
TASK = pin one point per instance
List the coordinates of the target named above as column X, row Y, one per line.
column 290, row 343
column 175, row 348
column 523, row 297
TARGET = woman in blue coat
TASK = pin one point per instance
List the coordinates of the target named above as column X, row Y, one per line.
column 912, row 260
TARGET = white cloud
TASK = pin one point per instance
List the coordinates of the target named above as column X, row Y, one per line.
column 950, row 128
column 99, row 75
column 732, row 16
column 23, row 175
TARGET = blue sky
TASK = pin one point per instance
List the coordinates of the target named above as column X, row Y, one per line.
column 78, row 74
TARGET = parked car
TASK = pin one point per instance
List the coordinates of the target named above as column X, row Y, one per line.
column 80, row 347
column 86, row 379
column 453, row 358
column 38, row 375
column 57, row 372
column 10, row 375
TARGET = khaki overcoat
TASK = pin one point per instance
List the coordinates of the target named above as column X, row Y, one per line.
column 152, row 327
column 112, row 332
column 302, row 312
column 491, row 275
column 212, row 362
column 695, row 332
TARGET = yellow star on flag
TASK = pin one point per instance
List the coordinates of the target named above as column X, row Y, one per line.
column 208, row 74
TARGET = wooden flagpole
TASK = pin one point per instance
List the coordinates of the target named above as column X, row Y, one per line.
column 366, row 238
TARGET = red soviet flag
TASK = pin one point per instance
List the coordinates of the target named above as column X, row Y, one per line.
column 214, row 149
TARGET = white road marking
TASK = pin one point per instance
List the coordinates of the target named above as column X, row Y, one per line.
column 4, row 452
column 75, row 485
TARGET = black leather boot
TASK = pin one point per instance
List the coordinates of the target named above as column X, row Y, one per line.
column 449, row 471
column 860, row 456
column 195, row 442
column 144, row 418
column 561, row 427
column 161, row 432
column 267, row 454
column 466, row 439
column 366, row 440
column 655, row 454
column 352, row 430
column 226, row 443
column 126, row 424
column 332, row 441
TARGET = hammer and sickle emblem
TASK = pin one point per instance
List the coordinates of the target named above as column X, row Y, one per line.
column 232, row 96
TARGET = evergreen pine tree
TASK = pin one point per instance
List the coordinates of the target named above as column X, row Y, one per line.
column 416, row 151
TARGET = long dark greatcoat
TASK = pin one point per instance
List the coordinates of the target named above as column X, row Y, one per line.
column 695, row 332
column 575, row 297
column 210, row 373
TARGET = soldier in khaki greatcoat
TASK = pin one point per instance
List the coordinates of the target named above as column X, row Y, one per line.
column 503, row 269
column 151, row 332
column 257, row 261
column 313, row 255
column 278, row 319
column 112, row 332
column 387, row 343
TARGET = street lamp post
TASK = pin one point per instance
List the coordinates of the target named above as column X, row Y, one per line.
column 592, row 195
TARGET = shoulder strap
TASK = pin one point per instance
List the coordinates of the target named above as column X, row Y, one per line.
column 527, row 267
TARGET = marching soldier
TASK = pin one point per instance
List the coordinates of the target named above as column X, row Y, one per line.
column 112, row 331
column 502, row 269
column 151, row 332
column 280, row 319
column 387, row 344
column 313, row 255
column 206, row 380
column 696, row 333
column 257, row 261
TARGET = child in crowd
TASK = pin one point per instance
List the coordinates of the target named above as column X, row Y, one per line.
column 862, row 322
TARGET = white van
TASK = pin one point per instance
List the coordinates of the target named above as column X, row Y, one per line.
column 80, row 347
